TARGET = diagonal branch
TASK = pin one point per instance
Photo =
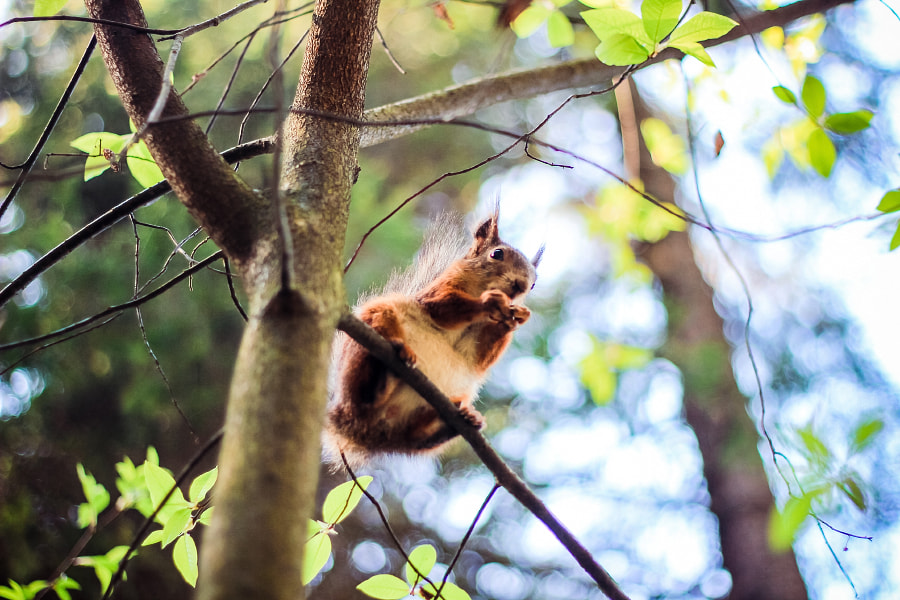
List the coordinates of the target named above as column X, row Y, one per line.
column 466, row 98
column 383, row 351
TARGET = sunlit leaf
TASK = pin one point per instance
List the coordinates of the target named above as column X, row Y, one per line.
column 142, row 166
column 176, row 524
column 659, row 17
column 97, row 145
column 63, row 585
column 816, row 449
column 202, row 484
column 206, row 517
column 315, row 555
column 155, row 537
column 785, row 95
column 559, row 30
column 104, row 565
column 621, row 50
column 784, row 524
column 184, row 555
column 666, row 149
column 449, row 591
column 96, row 495
column 48, row 8
column 385, row 587
column 853, row 491
column 895, row 240
column 701, row 27
column 822, row 153
column 694, row 49
column 530, row 20
column 849, row 122
column 421, row 561
column 772, row 156
column 773, row 37
column 867, row 430
column 343, row 499
column 813, row 95
column 608, row 22
column 890, row 202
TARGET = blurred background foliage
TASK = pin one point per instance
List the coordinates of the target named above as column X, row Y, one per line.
column 585, row 405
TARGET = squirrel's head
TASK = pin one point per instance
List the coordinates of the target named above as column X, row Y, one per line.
column 498, row 265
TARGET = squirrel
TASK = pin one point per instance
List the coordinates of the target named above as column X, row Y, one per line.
column 453, row 321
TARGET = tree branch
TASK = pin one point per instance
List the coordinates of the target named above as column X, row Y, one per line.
column 383, row 351
column 466, row 98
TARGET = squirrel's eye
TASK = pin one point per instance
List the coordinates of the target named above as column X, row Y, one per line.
column 497, row 254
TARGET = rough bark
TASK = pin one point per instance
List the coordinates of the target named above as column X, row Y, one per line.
column 716, row 410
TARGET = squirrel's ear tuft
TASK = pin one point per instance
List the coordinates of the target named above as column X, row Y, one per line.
column 487, row 235
column 537, row 257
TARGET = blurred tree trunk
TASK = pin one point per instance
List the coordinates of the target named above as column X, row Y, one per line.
column 714, row 407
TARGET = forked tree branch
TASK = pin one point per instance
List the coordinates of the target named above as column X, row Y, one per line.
column 383, row 351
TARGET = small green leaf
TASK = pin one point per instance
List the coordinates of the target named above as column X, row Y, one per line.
column 96, row 495
column 816, row 449
column 184, row 554
column 449, row 591
column 867, row 430
column 63, row 585
column 608, row 22
column 315, row 555
column 206, row 517
column 666, row 149
column 621, row 50
column 384, row 587
column 772, row 156
column 783, row 524
column 890, row 202
column 104, row 565
column 202, row 484
column 142, row 166
column 785, row 95
column 822, row 153
column 95, row 144
column 343, row 499
column 48, row 8
column 421, row 562
column 155, row 537
column 559, row 30
column 176, row 525
column 659, row 17
column 694, row 49
column 849, row 122
column 852, row 490
column 530, row 20
column 813, row 95
column 895, row 241
column 701, row 27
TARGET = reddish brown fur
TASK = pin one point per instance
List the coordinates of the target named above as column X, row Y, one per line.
column 454, row 329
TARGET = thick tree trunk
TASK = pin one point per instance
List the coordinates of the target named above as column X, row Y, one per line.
column 716, row 410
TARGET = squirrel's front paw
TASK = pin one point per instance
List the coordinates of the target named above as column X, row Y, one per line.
column 472, row 416
column 519, row 314
column 404, row 352
column 496, row 306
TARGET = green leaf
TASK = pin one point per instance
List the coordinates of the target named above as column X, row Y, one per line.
column 867, row 430
column 16, row 591
column 155, row 537
column 95, row 144
column 48, row 8
column 160, row 482
column 559, row 30
column 609, row 22
column 849, row 122
column 659, row 17
column 822, row 153
column 96, row 495
column 852, row 490
column 176, row 524
column 63, row 585
column 104, row 565
column 206, row 517
column 772, row 156
column 816, row 449
column 449, row 591
column 701, row 27
column 421, row 562
column 621, row 50
column 184, row 554
column 315, row 555
column 202, row 484
column 384, row 587
column 784, row 524
column 785, row 95
column 890, row 202
column 813, row 95
column 343, row 499
column 694, row 49
column 142, row 166
column 666, row 149
column 895, row 241
column 530, row 20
